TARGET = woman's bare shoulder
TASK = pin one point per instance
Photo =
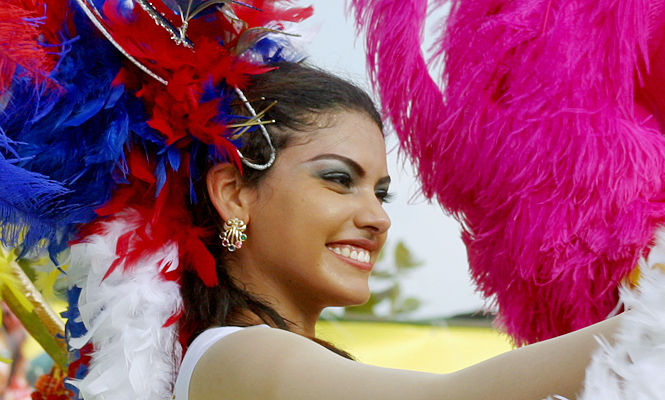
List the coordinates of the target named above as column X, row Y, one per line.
column 256, row 344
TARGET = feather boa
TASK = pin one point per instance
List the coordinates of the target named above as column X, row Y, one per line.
column 123, row 314
column 546, row 142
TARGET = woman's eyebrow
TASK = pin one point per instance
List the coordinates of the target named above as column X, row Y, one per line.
column 357, row 169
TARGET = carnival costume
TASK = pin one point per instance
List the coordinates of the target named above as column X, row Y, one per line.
column 108, row 107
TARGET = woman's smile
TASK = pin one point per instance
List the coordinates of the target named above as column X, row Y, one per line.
column 357, row 252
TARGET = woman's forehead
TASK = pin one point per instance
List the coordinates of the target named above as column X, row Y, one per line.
column 351, row 134
column 336, row 124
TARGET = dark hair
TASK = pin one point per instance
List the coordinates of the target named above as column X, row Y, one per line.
column 303, row 94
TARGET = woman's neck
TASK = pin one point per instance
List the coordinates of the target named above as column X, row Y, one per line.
column 294, row 323
column 300, row 315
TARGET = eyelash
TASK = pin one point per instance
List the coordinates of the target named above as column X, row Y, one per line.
column 384, row 196
column 340, row 178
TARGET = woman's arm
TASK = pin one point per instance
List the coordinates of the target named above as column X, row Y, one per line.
column 273, row 364
column 554, row 366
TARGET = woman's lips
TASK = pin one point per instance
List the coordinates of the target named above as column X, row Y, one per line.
column 356, row 256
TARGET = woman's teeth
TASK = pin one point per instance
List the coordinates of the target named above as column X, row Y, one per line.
column 358, row 255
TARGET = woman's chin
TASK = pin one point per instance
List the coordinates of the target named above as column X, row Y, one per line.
column 357, row 298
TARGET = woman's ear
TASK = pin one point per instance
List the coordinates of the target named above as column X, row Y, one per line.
column 227, row 192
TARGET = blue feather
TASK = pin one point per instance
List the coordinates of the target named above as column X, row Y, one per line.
column 26, row 200
column 275, row 48
column 7, row 145
column 70, row 141
column 116, row 94
column 87, row 109
column 194, row 173
column 173, row 155
column 160, row 174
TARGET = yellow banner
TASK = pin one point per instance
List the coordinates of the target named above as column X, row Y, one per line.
column 437, row 349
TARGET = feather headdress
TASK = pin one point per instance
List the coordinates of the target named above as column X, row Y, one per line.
column 106, row 106
column 545, row 140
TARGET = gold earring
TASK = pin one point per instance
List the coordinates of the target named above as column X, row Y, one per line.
column 233, row 234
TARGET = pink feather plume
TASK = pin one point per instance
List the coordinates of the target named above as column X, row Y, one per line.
column 410, row 98
column 547, row 143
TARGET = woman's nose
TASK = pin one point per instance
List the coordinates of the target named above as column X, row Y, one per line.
column 372, row 216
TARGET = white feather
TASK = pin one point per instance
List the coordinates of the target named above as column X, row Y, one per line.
column 135, row 356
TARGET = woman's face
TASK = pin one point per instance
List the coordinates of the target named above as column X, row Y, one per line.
column 316, row 224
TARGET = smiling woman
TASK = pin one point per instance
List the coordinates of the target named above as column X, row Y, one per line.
column 315, row 221
column 215, row 205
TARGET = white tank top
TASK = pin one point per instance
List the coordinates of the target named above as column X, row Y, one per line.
column 194, row 353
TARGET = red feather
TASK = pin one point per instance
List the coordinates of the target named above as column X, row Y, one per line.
column 140, row 167
column 19, row 45
column 161, row 219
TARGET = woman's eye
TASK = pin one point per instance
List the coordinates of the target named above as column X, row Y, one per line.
column 384, row 195
column 341, row 178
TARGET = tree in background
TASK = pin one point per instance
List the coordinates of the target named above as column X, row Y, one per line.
column 387, row 302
